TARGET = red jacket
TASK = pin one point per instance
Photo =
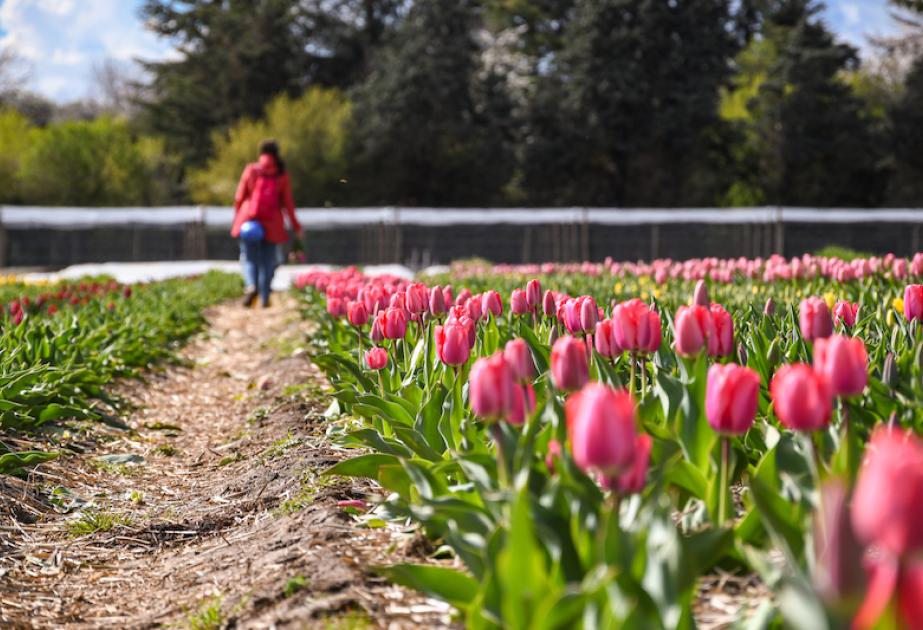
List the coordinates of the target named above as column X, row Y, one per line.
column 272, row 220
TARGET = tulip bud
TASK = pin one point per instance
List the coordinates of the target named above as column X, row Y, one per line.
column 490, row 387
column 814, row 319
column 491, row 304
column 889, row 371
column 376, row 335
column 769, row 309
column 376, row 358
column 569, row 369
column 741, row 353
column 604, row 339
column 774, row 354
column 700, row 295
column 632, row 480
column 913, row 302
column 452, row 345
column 549, row 307
column 731, row 397
column 694, row 330
column 724, row 332
column 553, row 335
column 518, row 303
column 887, row 506
column 357, row 314
column 601, row 426
column 522, row 404
column 846, row 313
column 844, row 361
column 393, row 323
column 437, row 303
column 589, row 314
column 802, row 398
column 519, row 357
column 533, row 294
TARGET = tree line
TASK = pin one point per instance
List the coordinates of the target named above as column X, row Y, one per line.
column 490, row 103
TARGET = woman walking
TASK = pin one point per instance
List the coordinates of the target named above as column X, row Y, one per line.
column 263, row 195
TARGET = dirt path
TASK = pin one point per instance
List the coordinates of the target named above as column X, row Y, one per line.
column 225, row 521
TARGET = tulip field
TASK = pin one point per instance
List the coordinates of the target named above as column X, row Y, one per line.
column 62, row 344
column 584, row 444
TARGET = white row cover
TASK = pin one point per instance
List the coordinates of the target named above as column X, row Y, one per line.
column 18, row 217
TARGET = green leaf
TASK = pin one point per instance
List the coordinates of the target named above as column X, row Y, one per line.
column 449, row 585
column 362, row 466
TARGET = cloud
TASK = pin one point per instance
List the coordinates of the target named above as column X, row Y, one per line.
column 62, row 40
column 851, row 12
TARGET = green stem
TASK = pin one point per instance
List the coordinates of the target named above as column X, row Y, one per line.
column 723, row 483
column 631, row 374
column 502, row 473
column 643, row 377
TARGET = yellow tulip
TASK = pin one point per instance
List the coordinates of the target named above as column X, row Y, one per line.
column 898, row 304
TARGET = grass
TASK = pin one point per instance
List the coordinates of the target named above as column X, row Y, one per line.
column 352, row 620
column 230, row 459
column 293, row 585
column 95, row 521
column 279, row 447
column 123, row 470
column 207, row 616
column 167, row 450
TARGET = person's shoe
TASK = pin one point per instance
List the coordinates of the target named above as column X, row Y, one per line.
column 249, row 298
column 266, row 303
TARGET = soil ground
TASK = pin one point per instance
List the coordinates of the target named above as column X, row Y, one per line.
column 211, row 510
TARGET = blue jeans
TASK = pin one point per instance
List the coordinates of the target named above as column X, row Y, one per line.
column 259, row 261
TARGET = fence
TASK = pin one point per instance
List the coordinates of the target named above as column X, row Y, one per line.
column 32, row 236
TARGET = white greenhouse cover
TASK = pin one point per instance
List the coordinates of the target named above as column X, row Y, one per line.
column 20, row 217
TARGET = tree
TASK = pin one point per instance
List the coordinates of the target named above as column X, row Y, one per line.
column 810, row 135
column 906, row 187
column 16, row 135
column 426, row 126
column 311, row 131
column 628, row 112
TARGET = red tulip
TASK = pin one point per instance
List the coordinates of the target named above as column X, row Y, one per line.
column 814, row 319
column 392, row 323
column 844, row 361
column 452, row 345
column 846, row 313
column 731, row 397
column 518, row 303
column 569, row 369
column 724, row 332
column 802, row 398
column 491, row 303
column 533, row 294
column 519, row 357
column 913, row 302
column 376, row 358
column 357, row 314
column 490, row 387
column 694, row 328
column 601, row 426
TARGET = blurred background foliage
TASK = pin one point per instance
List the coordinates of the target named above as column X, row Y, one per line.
column 487, row 103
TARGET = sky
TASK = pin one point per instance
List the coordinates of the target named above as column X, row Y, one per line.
column 61, row 40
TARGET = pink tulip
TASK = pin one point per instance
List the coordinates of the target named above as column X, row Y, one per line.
column 724, row 332
column 523, row 404
column 913, row 302
column 694, row 328
column 491, row 303
column 416, row 298
column 376, row 358
column 519, row 357
column 473, row 307
column 463, row 297
column 802, row 398
column 589, row 313
column 377, row 335
column 653, row 324
column 392, row 323
column 452, row 345
column 844, row 361
column 490, row 387
column 814, row 319
column 437, row 301
column 335, row 306
column 533, row 294
column 357, row 314
column 633, row 479
column 634, row 326
column 601, row 426
column 554, row 452
column 549, row 306
column 569, row 369
column 700, row 295
column 731, row 397
column 845, row 312
column 887, row 506
column 518, row 303
column 447, row 296
column 604, row 339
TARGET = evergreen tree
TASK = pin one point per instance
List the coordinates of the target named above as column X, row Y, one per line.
column 907, row 141
column 814, row 143
column 426, row 129
column 629, row 110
